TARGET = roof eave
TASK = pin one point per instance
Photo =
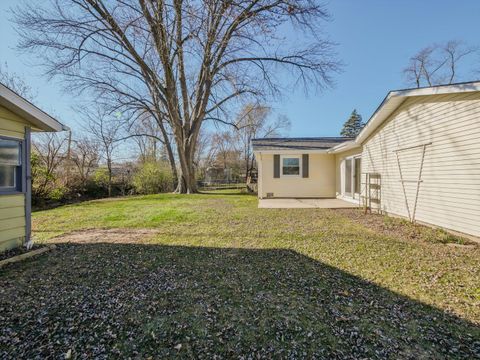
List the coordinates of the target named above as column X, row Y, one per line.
column 26, row 110
column 349, row 145
column 395, row 98
column 290, row 151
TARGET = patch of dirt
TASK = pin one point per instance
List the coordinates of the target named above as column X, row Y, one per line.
column 114, row 236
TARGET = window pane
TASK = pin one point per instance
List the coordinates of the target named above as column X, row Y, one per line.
column 7, row 176
column 348, row 176
column 291, row 162
column 358, row 174
column 291, row 170
column 9, row 152
column 291, row 166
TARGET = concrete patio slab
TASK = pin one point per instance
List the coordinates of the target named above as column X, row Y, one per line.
column 305, row 204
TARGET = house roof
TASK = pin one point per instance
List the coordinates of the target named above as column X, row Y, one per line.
column 395, row 98
column 303, row 143
column 339, row 144
column 40, row 120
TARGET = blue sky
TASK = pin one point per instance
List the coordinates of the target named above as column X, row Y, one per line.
column 375, row 37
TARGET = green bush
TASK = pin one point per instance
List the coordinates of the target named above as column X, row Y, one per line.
column 58, row 193
column 100, row 177
column 153, row 178
column 45, row 185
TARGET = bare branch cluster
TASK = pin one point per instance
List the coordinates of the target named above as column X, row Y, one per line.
column 437, row 64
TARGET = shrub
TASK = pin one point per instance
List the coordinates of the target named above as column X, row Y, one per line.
column 46, row 186
column 58, row 193
column 153, row 178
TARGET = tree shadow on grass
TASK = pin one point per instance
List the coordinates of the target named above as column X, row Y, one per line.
column 131, row 300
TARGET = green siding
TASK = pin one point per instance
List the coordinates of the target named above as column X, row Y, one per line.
column 12, row 207
column 11, row 125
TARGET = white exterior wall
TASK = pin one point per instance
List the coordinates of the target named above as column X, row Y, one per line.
column 449, row 194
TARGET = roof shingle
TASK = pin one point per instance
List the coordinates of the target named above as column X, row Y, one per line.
column 303, row 143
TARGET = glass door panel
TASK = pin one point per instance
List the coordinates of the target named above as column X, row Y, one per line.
column 358, row 175
column 348, row 178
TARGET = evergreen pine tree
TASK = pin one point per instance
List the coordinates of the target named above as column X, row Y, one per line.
column 353, row 125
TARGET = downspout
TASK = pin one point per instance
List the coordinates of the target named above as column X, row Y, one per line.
column 27, row 187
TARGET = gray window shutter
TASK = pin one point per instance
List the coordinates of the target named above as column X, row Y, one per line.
column 305, row 165
column 276, row 166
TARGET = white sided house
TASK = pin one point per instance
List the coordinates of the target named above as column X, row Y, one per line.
column 417, row 157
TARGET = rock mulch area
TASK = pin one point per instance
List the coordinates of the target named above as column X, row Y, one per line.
column 18, row 251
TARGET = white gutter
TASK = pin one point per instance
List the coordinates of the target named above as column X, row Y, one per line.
column 348, row 145
column 26, row 110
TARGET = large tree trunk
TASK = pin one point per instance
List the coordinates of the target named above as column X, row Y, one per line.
column 187, row 183
column 173, row 165
column 168, row 146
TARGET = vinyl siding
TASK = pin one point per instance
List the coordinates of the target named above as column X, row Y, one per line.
column 12, row 221
column 12, row 207
column 320, row 182
column 11, row 125
column 449, row 194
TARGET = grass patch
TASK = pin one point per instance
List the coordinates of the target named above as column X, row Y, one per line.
column 215, row 275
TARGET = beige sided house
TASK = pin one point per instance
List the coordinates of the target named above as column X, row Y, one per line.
column 18, row 118
column 417, row 157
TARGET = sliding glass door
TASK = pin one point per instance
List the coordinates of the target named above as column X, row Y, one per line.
column 352, row 177
column 357, row 177
column 348, row 178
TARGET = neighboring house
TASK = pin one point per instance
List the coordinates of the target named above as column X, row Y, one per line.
column 417, row 157
column 18, row 118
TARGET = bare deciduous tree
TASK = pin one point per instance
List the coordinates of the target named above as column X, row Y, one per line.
column 193, row 58
column 254, row 121
column 16, row 83
column 106, row 130
column 50, row 150
column 85, row 155
column 437, row 64
column 224, row 148
column 145, row 130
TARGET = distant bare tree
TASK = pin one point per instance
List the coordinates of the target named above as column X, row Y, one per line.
column 224, row 148
column 437, row 64
column 204, row 154
column 147, row 134
column 192, row 58
column 16, row 83
column 106, row 130
column 455, row 51
column 85, row 155
column 49, row 150
column 254, row 121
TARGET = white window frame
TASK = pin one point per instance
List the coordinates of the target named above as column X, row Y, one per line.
column 299, row 157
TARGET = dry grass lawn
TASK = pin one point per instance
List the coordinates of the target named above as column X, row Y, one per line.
column 212, row 276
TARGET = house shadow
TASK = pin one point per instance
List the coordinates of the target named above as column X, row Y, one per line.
column 139, row 300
